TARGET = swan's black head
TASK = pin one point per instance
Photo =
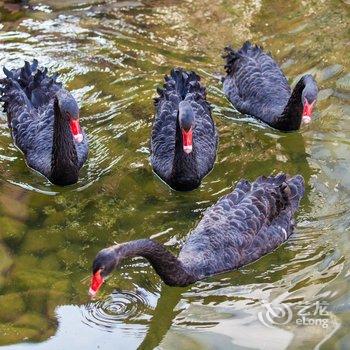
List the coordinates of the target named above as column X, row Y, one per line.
column 308, row 98
column 186, row 121
column 69, row 110
column 105, row 262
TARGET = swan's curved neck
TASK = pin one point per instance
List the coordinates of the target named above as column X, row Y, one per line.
column 168, row 267
column 64, row 162
column 292, row 113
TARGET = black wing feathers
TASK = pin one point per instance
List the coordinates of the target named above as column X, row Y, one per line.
column 178, row 86
column 38, row 87
column 254, row 83
column 244, row 225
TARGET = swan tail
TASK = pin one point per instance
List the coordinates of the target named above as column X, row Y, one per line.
column 287, row 190
column 12, row 95
column 181, row 83
column 231, row 56
column 27, row 85
column 295, row 190
column 248, row 49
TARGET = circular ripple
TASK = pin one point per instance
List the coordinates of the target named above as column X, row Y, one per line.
column 118, row 308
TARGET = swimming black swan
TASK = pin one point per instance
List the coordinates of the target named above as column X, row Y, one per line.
column 44, row 122
column 241, row 227
column 184, row 137
column 256, row 86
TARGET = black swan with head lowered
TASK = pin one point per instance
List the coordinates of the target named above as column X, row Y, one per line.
column 241, row 227
column 255, row 85
column 184, row 138
column 44, row 122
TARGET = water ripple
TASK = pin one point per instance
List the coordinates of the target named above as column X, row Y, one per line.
column 120, row 308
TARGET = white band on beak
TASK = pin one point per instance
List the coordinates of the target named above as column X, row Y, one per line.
column 187, row 149
column 92, row 293
column 78, row 137
column 306, row 119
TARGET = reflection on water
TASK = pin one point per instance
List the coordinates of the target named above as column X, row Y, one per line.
column 112, row 55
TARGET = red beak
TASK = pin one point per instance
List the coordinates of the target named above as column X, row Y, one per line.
column 187, row 140
column 307, row 111
column 96, row 282
column 76, row 130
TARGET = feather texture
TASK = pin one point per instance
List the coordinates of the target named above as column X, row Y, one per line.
column 28, row 94
column 241, row 227
column 180, row 171
column 244, row 225
column 256, row 86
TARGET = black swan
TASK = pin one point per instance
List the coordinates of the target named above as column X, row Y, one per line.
column 255, row 85
column 44, row 122
column 241, row 227
column 184, row 138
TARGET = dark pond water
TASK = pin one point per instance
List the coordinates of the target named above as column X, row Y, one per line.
column 112, row 55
